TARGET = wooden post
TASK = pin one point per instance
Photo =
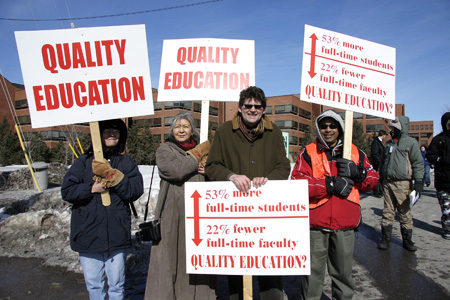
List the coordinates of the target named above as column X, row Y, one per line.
column 348, row 133
column 204, row 124
column 248, row 287
column 98, row 155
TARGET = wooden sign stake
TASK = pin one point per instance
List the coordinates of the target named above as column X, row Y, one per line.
column 204, row 124
column 348, row 133
column 98, row 155
column 248, row 287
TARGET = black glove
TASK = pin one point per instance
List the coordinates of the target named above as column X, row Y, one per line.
column 340, row 186
column 347, row 168
column 418, row 186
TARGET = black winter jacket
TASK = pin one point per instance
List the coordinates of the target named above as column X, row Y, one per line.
column 438, row 154
column 376, row 153
column 94, row 227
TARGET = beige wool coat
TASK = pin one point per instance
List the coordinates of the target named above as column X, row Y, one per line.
column 167, row 278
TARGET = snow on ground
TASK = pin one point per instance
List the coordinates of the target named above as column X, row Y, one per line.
column 37, row 225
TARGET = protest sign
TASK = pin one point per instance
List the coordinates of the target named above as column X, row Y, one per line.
column 206, row 69
column 348, row 73
column 85, row 74
column 263, row 232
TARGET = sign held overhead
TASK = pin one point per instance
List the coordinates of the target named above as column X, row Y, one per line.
column 85, row 74
column 348, row 73
column 206, row 69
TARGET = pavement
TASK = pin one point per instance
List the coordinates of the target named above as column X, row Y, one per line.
column 390, row 274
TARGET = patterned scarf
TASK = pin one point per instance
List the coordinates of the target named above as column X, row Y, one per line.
column 251, row 134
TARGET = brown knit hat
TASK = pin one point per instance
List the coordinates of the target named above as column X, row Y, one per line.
column 396, row 124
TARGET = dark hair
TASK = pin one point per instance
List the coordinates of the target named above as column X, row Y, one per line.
column 252, row 92
column 382, row 132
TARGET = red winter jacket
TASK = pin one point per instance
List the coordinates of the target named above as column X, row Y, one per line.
column 337, row 213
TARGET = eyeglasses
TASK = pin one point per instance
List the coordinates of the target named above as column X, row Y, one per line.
column 256, row 106
column 113, row 131
column 325, row 126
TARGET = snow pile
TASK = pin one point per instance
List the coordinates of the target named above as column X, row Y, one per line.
column 38, row 225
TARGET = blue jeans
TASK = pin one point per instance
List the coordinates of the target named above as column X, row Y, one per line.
column 94, row 267
column 426, row 174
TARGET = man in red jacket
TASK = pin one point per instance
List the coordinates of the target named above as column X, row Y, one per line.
column 334, row 203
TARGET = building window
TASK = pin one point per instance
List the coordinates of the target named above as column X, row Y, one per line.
column 431, row 127
column 21, row 104
column 286, row 109
column 154, row 122
column 304, row 113
column 288, row 124
column 213, row 111
column 54, row 135
column 371, row 117
column 303, row 127
column 414, row 135
column 424, row 135
column 293, row 140
column 187, row 105
column 421, row 127
column 373, row 128
column 357, row 116
column 213, row 125
column 412, row 127
column 268, row 110
column 197, row 107
column 417, row 127
column 426, row 127
column 168, row 121
column 157, row 105
column 24, row 120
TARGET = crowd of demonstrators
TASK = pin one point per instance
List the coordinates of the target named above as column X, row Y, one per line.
column 438, row 154
column 334, row 202
column 376, row 157
column 101, row 234
column 249, row 150
column 180, row 159
column 426, row 167
column 401, row 172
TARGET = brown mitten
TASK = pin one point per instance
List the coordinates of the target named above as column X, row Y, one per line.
column 106, row 175
column 102, row 181
column 199, row 151
column 113, row 178
column 202, row 163
column 101, row 168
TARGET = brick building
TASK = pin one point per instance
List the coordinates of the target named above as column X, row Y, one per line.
column 288, row 112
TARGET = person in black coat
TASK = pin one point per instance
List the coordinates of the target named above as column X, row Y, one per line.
column 438, row 154
column 101, row 234
column 376, row 156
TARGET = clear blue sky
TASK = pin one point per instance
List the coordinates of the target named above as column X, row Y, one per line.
column 418, row 29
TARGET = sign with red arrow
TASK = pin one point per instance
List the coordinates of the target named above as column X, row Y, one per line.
column 348, row 73
column 263, row 232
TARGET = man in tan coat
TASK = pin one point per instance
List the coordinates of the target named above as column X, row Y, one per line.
column 249, row 150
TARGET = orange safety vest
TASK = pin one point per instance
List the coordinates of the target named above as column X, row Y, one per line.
column 321, row 168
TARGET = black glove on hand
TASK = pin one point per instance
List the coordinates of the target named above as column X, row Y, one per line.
column 340, row 186
column 418, row 186
column 347, row 168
